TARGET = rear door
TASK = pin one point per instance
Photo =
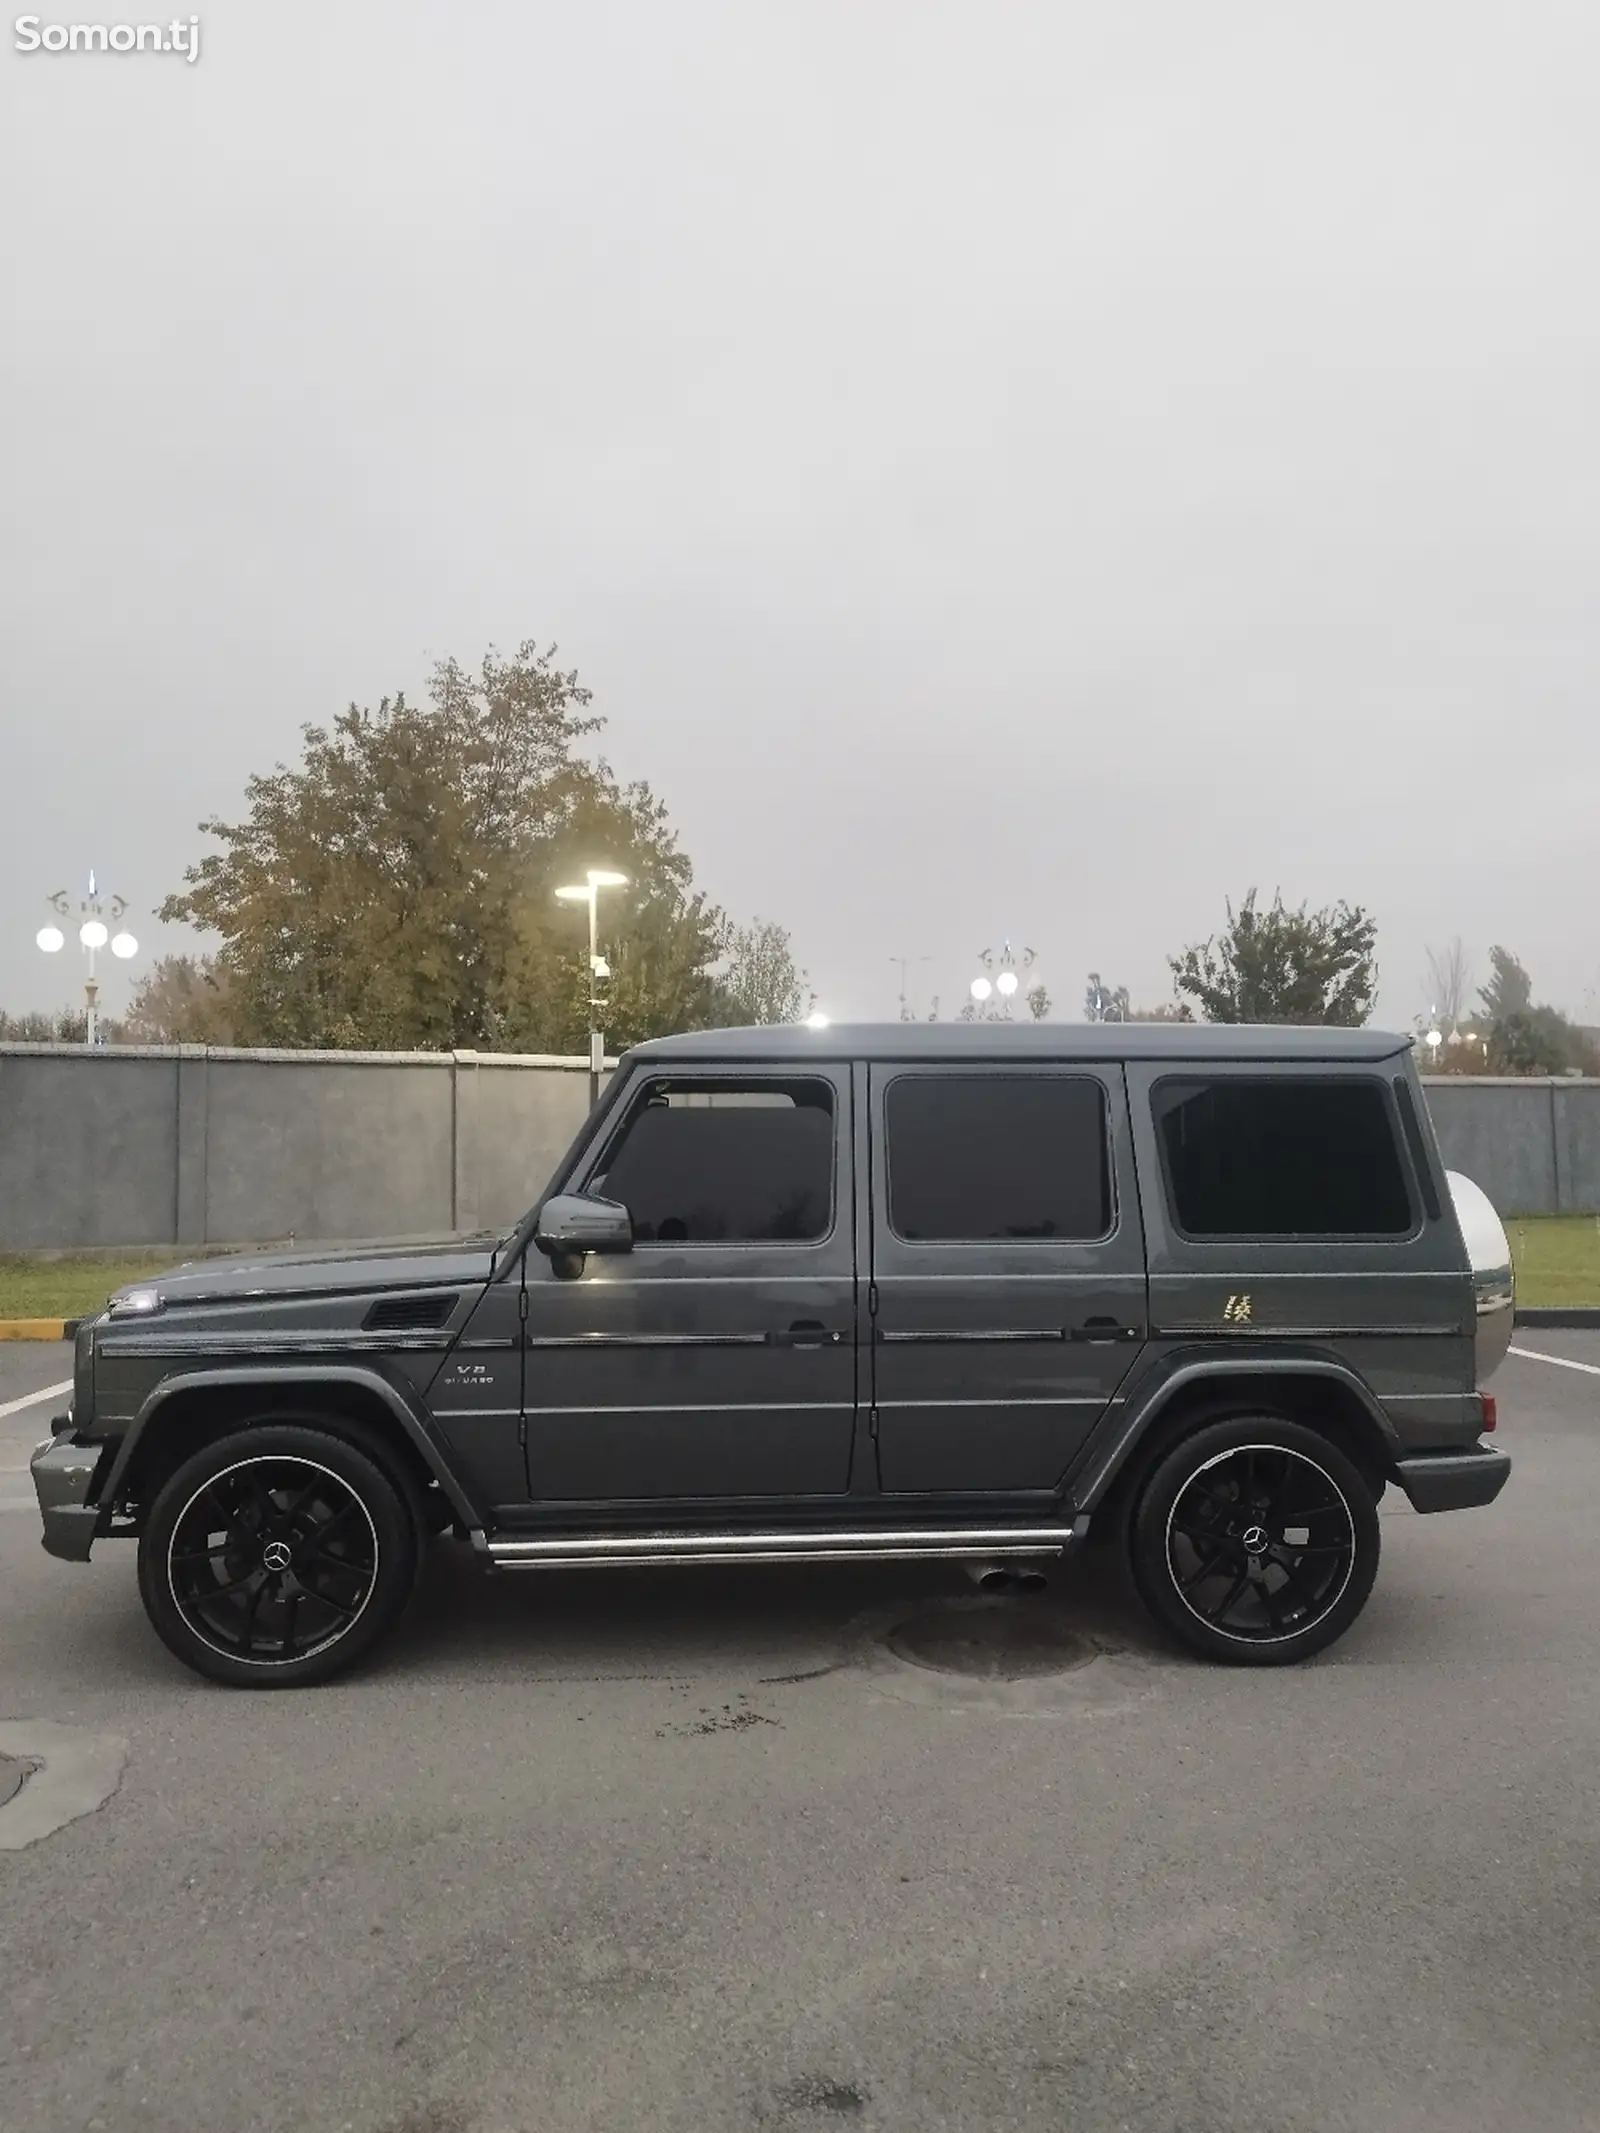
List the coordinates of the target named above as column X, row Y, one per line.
column 1008, row 1273
column 1289, row 1203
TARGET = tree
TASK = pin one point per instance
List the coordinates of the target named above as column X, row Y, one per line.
column 1524, row 1037
column 762, row 981
column 1104, row 1003
column 1280, row 965
column 1509, row 990
column 183, row 999
column 1168, row 1011
column 1538, row 1040
column 1449, row 982
column 34, row 1028
column 997, row 1008
column 66, row 1025
column 396, row 889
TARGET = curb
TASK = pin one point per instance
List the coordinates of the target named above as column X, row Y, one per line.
column 38, row 1329
column 1560, row 1315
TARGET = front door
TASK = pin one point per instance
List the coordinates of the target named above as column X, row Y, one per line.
column 1007, row 1267
column 718, row 1358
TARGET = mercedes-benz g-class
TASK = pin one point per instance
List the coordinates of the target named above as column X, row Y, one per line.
column 816, row 1296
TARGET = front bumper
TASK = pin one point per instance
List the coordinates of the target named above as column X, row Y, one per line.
column 63, row 1476
column 1454, row 1481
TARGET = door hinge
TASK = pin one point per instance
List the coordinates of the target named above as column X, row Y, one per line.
column 522, row 1305
column 872, row 1299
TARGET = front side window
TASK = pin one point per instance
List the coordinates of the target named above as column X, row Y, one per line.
column 992, row 1158
column 1284, row 1158
column 724, row 1162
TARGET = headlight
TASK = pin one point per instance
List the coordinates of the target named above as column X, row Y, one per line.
column 137, row 1303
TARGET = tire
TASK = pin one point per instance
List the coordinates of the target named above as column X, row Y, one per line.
column 1255, row 1541
column 277, row 1556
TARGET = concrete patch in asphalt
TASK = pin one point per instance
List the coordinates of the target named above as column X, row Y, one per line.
column 14, row 1774
column 994, row 1657
column 990, row 1641
column 65, row 1772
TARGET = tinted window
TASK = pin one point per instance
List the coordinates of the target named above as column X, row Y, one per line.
column 982, row 1158
column 725, row 1163
column 1281, row 1159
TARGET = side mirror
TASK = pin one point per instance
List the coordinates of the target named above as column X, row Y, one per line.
column 573, row 1223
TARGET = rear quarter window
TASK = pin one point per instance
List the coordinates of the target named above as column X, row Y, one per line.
column 1281, row 1157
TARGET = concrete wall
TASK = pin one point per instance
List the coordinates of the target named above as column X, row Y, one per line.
column 186, row 1146
column 1534, row 1146
column 88, row 1147
column 190, row 1147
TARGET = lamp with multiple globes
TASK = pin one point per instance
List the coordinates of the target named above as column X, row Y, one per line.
column 1009, row 971
column 94, row 934
column 1440, row 1034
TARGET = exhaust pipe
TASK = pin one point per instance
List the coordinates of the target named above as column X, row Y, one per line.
column 1001, row 1577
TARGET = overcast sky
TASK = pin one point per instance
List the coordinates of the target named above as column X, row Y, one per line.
column 1004, row 470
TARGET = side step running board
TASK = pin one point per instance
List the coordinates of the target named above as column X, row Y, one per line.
column 875, row 1545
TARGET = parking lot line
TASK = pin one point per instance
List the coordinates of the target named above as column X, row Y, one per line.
column 33, row 1399
column 1536, row 1355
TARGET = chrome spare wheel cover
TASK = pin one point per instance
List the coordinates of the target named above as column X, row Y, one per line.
column 1489, row 1256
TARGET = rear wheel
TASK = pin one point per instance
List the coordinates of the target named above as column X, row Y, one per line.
column 276, row 1556
column 1255, row 1541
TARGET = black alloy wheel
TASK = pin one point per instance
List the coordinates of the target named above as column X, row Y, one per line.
column 1256, row 1541
column 276, row 1556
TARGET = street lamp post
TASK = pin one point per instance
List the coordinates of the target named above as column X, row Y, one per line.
column 588, row 892
column 1007, row 980
column 1439, row 1040
column 902, row 963
column 94, row 933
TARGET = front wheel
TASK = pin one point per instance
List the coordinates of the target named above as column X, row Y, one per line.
column 1255, row 1541
column 277, row 1556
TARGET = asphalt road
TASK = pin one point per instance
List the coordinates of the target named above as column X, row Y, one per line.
column 693, row 1850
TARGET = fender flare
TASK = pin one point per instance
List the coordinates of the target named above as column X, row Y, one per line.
column 407, row 1415
column 1103, row 1462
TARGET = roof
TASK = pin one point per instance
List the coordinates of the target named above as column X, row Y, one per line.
column 1197, row 1041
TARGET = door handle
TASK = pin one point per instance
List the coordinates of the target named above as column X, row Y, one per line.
column 806, row 1333
column 1098, row 1330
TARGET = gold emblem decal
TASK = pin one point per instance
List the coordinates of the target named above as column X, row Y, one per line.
column 1236, row 1311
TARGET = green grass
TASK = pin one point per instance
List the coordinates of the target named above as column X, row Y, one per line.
column 32, row 1286
column 1557, row 1259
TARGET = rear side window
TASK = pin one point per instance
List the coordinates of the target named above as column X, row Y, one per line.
column 1281, row 1158
column 981, row 1159
column 725, row 1163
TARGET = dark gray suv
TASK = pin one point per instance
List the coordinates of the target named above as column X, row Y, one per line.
column 818, row 1296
